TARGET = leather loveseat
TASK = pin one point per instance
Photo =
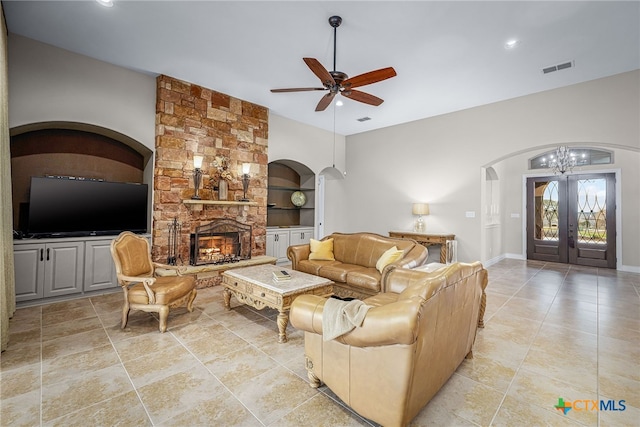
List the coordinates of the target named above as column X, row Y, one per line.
column 412, row 339
column 354, row 269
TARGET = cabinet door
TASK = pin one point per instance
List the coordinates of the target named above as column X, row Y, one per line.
column 99, row 269
column 277, row 244
column 29, row 271
column 301, row 236
column 282, row 246
column 63, row 268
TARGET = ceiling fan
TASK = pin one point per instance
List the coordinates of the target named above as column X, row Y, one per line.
column 337, row 82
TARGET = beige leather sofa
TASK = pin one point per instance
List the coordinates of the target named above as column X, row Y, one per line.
column 354, row 269
column 418, row 331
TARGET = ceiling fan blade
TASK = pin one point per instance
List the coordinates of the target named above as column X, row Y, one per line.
column 370, row 77
column 319, row 71
column 298, row 89
column 325, row 101
column 357, row 95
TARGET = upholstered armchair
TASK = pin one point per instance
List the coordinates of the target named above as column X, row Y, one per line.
column 412, row 339
column 142, row 289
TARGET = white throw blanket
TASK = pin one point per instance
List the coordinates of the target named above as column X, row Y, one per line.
column 340, row 317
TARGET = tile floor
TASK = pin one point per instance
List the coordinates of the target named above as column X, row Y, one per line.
column 552, row 331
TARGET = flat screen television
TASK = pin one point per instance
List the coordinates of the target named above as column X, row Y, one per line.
column 63, row 207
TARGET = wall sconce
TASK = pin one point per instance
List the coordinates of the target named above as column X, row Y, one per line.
column 246, row 167
column 420, row 209
column 197, row 175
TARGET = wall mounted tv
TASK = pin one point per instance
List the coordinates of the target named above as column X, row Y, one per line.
column 63, row 207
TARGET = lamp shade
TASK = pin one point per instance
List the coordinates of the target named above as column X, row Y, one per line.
column 246, row 167
column 420, row 209
column 197, row 162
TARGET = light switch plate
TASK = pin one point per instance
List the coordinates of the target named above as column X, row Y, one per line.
column 470, row 214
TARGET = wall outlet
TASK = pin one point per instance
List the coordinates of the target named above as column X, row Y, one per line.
column 515, row 215
column 470, row 214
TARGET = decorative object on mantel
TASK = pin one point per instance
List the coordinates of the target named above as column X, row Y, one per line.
column 564, row 160
column 174, row 244
column 420, row 209
column 221, row 163
column 197, row 175
column 246, row 167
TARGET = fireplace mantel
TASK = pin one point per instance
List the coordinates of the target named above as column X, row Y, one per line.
column 218, row 202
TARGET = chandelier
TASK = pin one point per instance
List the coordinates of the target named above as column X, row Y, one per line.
column 563, row 161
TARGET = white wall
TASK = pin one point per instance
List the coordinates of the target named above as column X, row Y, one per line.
column 439, row 160
column 51, row 84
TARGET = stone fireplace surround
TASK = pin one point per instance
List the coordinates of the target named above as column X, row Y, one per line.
column 191, row 119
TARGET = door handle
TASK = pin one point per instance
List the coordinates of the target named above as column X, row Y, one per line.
column 48, row 254
column 571, row 242
column 41, row 254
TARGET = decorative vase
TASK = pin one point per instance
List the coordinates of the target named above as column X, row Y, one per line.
column 223, row 189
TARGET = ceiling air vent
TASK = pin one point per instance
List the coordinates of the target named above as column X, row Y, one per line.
column 558, row 67
column 363, row 119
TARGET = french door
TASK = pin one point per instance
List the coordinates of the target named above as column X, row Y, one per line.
column 571, row 219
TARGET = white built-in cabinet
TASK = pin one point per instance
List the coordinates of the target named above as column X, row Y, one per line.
column 49, row 268
column 279, row 239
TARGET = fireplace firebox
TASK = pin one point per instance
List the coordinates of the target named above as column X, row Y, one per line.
column 220, row 242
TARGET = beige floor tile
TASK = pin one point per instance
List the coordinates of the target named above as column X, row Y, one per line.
column 618, row 387
column 488, row 371
column 122, row 410
column 222, row 410
column 142, row 345
column 320, row 411
column 627, row 417
column 21, row 410
column 19, row 356
column 274, row 394
column 526, row 308
column 554, row 363
column 542, row 391
column 69, row 366
column 515, row 412
column 20, row 381
column 180, row 392
column 77, row 313
column 66, row 306
column 154, row 366
column 240, row 366
column 63, row 329
column 216, row 344
column 464, row 398
column 74, row 343
column 65, row 397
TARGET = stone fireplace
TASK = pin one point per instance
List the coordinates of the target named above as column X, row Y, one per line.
column 220, row 242
column 194, row 120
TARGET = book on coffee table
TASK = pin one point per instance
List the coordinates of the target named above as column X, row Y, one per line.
column 281, row 275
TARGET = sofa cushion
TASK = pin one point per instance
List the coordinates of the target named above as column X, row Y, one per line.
column 390, row 255
column 313, row 267
column 321, row 250
column 362, row 277
column 337, row 272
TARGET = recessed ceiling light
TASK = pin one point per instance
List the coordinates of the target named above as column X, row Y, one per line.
column 511, row 44
column 105, row 3
column 339, row 103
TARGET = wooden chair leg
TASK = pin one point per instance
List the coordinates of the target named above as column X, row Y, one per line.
column 125, row 315
column 164, row 314
column 194, row 292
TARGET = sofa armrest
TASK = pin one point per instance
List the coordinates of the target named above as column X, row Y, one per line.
column 298, row 253
column 394, row 323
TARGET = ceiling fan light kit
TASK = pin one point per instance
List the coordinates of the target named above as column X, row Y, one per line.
column 337, row 82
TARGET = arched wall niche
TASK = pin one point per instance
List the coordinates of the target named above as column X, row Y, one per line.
column 72, row 149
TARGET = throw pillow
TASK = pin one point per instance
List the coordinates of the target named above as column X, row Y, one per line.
column 321, row 250
column 391, row 255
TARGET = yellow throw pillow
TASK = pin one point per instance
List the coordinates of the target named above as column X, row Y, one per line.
column 391, row 255
column 321, row 250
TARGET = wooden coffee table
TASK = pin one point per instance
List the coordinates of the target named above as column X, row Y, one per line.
column 255, row 286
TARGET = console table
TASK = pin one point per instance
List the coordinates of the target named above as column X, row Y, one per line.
column 427, row 240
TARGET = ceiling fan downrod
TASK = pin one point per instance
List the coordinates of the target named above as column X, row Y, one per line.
column 335, row 22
